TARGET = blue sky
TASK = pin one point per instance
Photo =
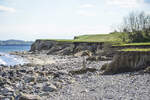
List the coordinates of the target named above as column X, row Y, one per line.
column 34, row 19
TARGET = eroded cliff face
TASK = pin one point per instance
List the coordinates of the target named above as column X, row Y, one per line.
column 65, row 48
column 127, row 62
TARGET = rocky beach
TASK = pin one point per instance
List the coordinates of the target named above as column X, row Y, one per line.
column 57, row 77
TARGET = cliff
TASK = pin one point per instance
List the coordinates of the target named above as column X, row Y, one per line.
column 65, row 47
column 127, row 61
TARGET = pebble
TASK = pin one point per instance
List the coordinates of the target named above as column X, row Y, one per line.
column 52, row 81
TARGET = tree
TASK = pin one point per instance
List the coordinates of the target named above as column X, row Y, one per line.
column 136, row 25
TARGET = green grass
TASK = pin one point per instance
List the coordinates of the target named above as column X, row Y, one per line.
column 115, row 37
column 134, row 44
column 136, row 49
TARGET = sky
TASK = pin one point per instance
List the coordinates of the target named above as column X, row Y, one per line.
column 63, row 19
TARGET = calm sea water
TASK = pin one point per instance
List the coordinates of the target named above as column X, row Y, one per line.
column 7, row 59
column 7, row 49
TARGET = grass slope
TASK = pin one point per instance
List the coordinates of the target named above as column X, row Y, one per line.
column 136, row 49
column 115, row 37
column 134, row 44
column 112, row 38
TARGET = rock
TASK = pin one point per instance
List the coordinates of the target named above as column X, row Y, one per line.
column 29, row 79
column 82, row 71
column 83, row 53
column 1, row 81
column 29, row 97
column 147, row 70
column 64, row 48
column 41, row 79
column 92, row 58
column 6, row 98
column 99, row 58
column 22, row 70
column 49, row 88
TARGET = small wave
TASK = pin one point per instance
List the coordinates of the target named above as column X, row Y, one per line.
column 7, row 59
column 2, row 62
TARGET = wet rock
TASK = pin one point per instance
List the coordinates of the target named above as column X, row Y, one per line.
column 22, row 70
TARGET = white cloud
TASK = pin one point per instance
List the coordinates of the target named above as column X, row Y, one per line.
column 85, row 13
column 125, row 3
column 87, row 6
column 7, row 9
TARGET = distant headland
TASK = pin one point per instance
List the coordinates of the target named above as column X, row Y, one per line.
column 14, row 42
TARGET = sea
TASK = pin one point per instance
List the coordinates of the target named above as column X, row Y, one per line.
column 11, row 60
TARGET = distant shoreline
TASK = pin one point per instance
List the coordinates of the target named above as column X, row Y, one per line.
column 17, row 45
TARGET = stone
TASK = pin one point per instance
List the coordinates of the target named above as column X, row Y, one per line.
column 147, row 70
column 29, row 79
column 1, row 81
column 6, row 98
column 41, row 79
column 29, row 97
column 83, row 53
column 49, row 88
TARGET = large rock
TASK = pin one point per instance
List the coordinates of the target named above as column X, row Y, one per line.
column 127, row 62
column 29, row 97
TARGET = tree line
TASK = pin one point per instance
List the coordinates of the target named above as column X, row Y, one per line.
column 137, row 26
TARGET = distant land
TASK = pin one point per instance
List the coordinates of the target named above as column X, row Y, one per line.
column 15, row 42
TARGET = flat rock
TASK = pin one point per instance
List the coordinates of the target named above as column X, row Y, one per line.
column 29, row 97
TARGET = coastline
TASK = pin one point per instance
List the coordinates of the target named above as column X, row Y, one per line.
column 34, row 59
column 55, row 81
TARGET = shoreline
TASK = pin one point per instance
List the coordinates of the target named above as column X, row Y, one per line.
column 34, row 59
column 56, row 80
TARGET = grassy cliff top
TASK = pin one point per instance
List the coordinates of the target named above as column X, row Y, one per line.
column 115, row 37
column 134, row 44
column 136, row 49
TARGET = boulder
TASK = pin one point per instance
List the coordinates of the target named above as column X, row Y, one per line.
column 29, row 97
